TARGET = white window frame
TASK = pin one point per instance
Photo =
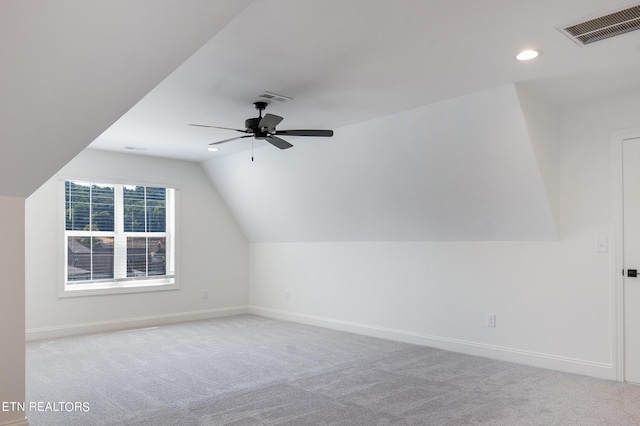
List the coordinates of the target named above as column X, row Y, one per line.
column 121, row 283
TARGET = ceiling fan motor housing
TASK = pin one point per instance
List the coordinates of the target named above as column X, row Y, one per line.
column 252, row 125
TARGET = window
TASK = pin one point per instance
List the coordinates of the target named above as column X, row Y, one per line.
column 118, row 237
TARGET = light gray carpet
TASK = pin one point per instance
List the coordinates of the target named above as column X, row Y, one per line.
column 249, row 370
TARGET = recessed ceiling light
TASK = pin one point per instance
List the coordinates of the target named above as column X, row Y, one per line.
column 213, row 149
column 527, row 55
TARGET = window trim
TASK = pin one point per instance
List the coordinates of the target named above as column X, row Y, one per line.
column 117, row 285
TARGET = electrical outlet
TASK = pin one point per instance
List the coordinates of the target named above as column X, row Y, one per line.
column 205, row 294
column 491, row 320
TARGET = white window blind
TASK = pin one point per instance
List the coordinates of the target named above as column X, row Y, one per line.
column 117, row 233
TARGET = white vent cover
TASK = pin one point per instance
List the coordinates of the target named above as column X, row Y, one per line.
column 604, row 27
column 273, row 97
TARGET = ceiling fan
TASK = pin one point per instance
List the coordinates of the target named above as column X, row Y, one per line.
column 264, row 128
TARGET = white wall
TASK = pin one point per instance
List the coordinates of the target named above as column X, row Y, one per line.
column 552, row 300
column 213, row 253
column 12, row 364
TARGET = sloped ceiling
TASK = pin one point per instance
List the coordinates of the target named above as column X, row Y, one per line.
column 350, row 61
column 69, row 69
column 440, row 133
column 461, row 169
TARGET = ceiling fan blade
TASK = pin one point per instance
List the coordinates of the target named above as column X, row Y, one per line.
column 270, row 121
column 277, row 142
column 218, row 127
column 231, row 139
column 322, row 133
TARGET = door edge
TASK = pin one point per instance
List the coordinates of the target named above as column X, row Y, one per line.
column 617, row 248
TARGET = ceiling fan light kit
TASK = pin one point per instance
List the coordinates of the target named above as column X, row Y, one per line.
column 264, row 128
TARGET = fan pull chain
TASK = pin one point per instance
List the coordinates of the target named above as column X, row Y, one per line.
column 251, row 149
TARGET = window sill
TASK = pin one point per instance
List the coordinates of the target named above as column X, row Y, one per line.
column 119, row 287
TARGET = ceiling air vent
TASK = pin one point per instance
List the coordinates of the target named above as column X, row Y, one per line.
column 604, row 27
column 273, row 97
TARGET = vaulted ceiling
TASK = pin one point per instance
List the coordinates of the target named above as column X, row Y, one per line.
column 460, row 169
column 71, row 68
column 440, row 134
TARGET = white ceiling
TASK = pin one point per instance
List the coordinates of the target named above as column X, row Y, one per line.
column 70, row 68
column 349, row 61
column 440, row 133
column 461, row 169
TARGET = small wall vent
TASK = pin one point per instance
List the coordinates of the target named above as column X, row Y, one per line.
column 604, row 27
column 274, row 97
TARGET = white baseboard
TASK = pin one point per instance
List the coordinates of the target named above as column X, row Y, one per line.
column 22, row 422
column 126, row 323
column 536, row 359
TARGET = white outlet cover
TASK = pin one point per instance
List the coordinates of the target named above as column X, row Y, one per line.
column 491, row 320
column 602, row 245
